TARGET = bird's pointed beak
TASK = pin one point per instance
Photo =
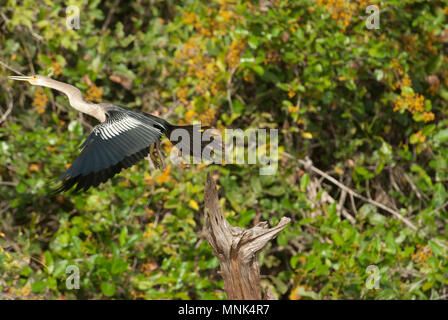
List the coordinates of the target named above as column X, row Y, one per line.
column 20, row 78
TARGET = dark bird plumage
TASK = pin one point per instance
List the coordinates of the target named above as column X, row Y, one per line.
column 117, row 143
column 123, row 137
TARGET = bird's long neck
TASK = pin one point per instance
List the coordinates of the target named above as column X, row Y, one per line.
column 76, row 100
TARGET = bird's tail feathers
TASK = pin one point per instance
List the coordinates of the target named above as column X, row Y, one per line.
column 184, row 137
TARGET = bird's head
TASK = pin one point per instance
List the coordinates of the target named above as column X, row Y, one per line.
column 36, row 80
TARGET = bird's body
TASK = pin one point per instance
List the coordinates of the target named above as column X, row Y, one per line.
column 119, row 142
column 123, row 137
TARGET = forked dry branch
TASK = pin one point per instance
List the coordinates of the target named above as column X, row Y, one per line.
column 237, row 248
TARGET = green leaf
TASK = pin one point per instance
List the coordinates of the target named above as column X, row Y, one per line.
column 337, row 238
column 443, row 93
column 377, row 219
column 238, row 107
column 294, row 260
column 304, row 182
column 38, row 286
column 428, row 285
column 363, row 172
column 379, row 74
column 407, row 90
column 253, row 42
column 310, row 294
column 439, row 194
column 26, row 271
column 123, row 235
column 441, row 136
column 107, row 288
column 258, row 69
column 21, row 187
column 118, row 266
column 436, row 248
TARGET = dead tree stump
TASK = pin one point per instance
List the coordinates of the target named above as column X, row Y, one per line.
column 237, row 248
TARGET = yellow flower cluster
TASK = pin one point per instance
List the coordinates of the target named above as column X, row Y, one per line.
column 94, row 93
column 207, row 116
column 395, row 65
column 419, row 137
column 422, row 254
column 188, row 18
column 182, row 95
column 211, row 71
column 193, row 204
column 150, row 231
column 218, row 23
column 167, row 146
column 431, row 38
column 33, row 167
column 405, row 82
column 428, row 116
column 23, row 292
column 40, row 100
column 138, row 295
column 272, row 57
column 341, row 10
column 201, row 67
column 56, row 68
column 189, row 115
column 189, row 50
column 235, row 51
column 165, row 176
column 293, row 109
column 412, row 102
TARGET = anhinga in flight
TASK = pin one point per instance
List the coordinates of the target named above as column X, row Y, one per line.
column 124, row 137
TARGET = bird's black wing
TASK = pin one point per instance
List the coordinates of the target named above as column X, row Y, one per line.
column 119, row 142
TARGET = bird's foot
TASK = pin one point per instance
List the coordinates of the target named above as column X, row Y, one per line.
column 153, row 156
column 159, row 152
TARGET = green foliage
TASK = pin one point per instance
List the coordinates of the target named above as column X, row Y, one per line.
column 366, row 106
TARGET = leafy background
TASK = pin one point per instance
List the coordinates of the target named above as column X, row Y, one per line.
column 367, row 107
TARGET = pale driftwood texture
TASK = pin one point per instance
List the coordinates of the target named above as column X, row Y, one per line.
column 237, row 248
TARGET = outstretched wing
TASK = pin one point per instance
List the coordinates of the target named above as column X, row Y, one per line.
column 119, row 142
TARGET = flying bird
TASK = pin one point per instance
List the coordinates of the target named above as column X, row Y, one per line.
column 123, row 137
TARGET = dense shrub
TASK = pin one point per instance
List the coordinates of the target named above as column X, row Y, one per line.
column 367, row 106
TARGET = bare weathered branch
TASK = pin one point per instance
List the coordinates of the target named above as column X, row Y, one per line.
column 237, row 248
